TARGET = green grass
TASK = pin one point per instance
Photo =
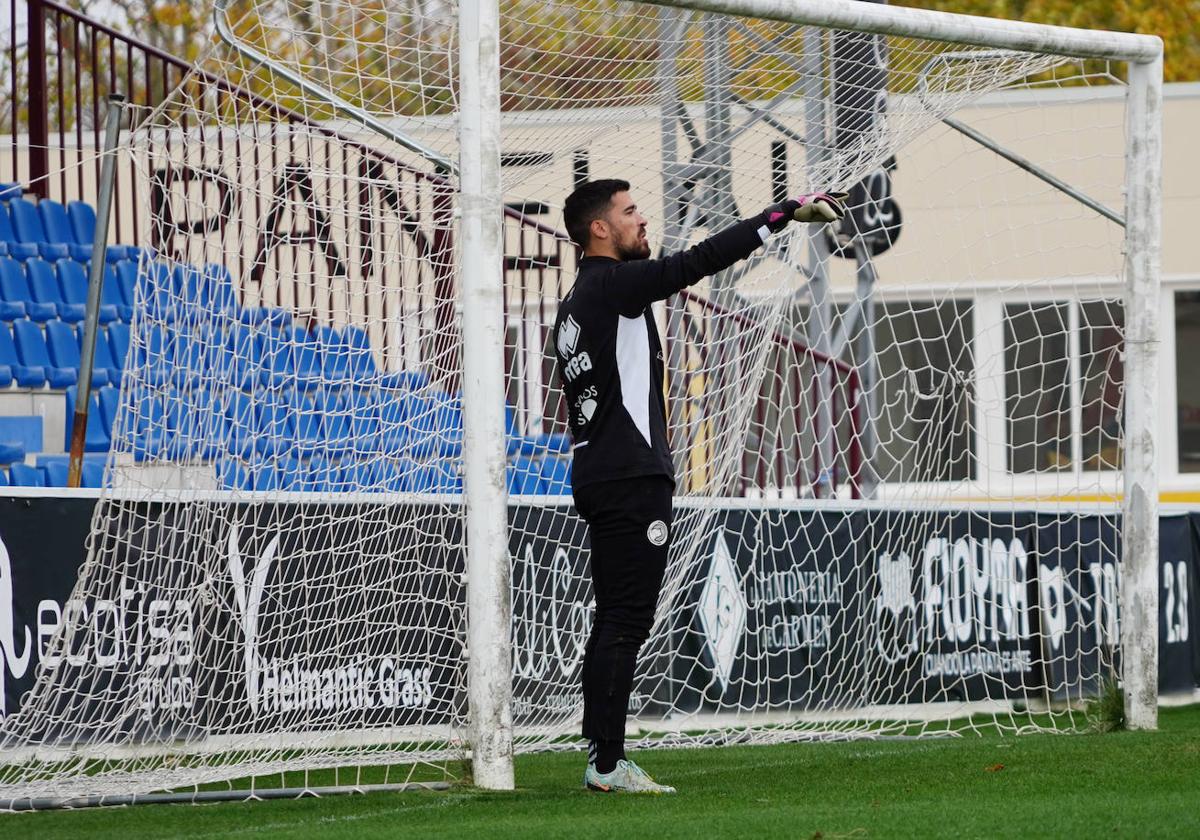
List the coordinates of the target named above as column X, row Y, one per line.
column 1115, row 784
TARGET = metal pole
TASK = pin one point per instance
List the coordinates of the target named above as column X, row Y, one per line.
column 112, row 130
column 1139, row 538
column 481, row 285
column 39, row 101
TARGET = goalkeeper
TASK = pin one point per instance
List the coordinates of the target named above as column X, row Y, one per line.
column 611, row 365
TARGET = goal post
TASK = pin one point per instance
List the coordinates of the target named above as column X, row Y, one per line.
column 916, row 472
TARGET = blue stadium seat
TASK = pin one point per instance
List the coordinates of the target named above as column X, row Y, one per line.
column 118, row 344
column 306, row 353
column 27, row 223
column 31, row 349
column 127, row 272
column 265, row 475
column 96, row 439
column 435, row 424
column 58, row 229
column 10, row 190
column 195, row 428
column 56, row 473
column 447, row 477
column 83, row 227
column 366, row 425
column 335, row 356
column 149, row 425
column 277, row 353
column 393, row 475
column 556, row 476
column 361, row 360
column 211, row 289
column 335, row 420
column 111, row 295
column 109, row 399
column 26, row 376
column 14, row 247
column 240, row 422
column 525, row 477
column 153, row 358
column 3, row 478
column 23, row 475
column 64, row 353
column 92, row 474
column 73, row 283
column 310, row 436
column 274, row 430
column 43, row 282
column 233, row 475
column 190, row 359
column 103, row 359
column 238, row 357
column 15, row 290
column 11, row 450
column 394, row 435
column 156, row 291
column 25, row 430
column 363, row 476
column 321, row 475
column 406, row 380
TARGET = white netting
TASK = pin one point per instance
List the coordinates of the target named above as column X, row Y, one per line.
column 860, row 443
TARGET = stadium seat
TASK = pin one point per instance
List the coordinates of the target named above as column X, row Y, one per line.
column 15, row 291
column 3, row 478
column 153, row 359
column 237, row 357
column 118, row 344
column 233, row 475
column 556, row 476
column 365, row 425
column 23, row 475
column 96, row 439
column 525, row 477
column 241, row 423
column 310, row 436
column 335, row 356
column 274, row 430
column 189, row 359
column 149, row 426
column 25, row 430
column 11, row 450
column 278, row 357
column 31, row 349
column 362, row 476
column 27, row 224
column 26, row 376
column 321, row 475
column 435, row 424
column 111, row 295
column 14, row 247
column 103, row 359
column 83, row 227
column 156, row 291
column 546, row 444
column 406, row 380
column 64, row 353
column 215, row 293
column 56, row 473
column 73, row 283
column 306, row 355
column 335, row 421
column 127, row 272
column 43, row 283
column 6, row 368
column 58, row 229
column 109, row 400
column 92, row 474
column 194, row 428
column 10, row 190
column 362, row 369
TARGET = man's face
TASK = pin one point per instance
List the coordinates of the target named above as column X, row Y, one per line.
column 628, row 228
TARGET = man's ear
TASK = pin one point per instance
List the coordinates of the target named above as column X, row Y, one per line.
column 599, row 229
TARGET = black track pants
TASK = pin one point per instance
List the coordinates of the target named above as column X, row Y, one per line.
column 629, row 523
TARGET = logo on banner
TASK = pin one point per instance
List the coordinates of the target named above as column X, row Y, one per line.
column 722, row 611
column 14, row 658
column 249, row 600
column 895, row 608
column 279, row 684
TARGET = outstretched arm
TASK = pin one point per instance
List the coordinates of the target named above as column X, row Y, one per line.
column 634, row 285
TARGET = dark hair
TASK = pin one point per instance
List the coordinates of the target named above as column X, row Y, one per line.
column 589, row 202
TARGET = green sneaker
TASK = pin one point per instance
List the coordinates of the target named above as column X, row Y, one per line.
column 626, row 777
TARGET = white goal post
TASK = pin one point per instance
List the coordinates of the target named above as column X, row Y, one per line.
column 338, row 532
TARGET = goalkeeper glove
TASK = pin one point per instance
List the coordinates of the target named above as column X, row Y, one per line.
column 817, row 207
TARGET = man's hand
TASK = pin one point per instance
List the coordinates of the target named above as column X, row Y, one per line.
column 818, row 207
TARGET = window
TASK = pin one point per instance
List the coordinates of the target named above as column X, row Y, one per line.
column 1187, row 378
column 1038, row 380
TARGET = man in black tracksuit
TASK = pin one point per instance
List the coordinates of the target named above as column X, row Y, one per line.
column 611, row 365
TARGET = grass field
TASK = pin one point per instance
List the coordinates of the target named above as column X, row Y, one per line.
column 1120, row 784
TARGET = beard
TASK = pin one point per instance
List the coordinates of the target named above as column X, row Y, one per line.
column 638, row 249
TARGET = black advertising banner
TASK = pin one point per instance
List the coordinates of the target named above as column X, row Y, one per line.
column 320, row 617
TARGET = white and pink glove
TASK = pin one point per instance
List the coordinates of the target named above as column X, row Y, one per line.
column 819, row 208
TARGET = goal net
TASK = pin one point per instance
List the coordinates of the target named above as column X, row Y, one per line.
column 898, row 439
